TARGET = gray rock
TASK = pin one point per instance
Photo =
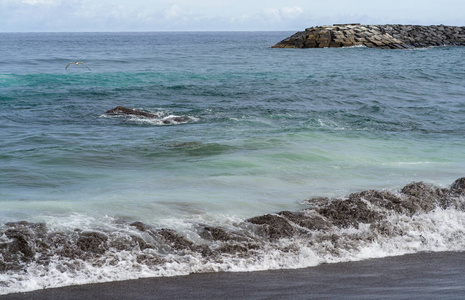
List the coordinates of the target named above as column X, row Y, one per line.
column 376, row 36
column 121, row 110
column 276, row 227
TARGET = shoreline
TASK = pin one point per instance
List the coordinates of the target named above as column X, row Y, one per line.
column 414, row 276
column 364, row 225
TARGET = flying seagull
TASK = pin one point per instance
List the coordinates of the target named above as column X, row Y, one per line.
column 77, row 63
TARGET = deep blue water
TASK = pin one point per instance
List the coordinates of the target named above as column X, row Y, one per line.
column 267, row 127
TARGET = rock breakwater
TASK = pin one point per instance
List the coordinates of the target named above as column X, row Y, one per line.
column 376, row 36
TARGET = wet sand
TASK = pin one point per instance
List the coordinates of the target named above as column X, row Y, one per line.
column 416, row 276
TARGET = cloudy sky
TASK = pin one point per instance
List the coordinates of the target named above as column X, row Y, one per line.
column 218, row 15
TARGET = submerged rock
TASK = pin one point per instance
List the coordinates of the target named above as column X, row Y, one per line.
column 375, row 36
column 306, row 220
column 458, row 186
column 372, row 206
column 141, row 226
column 121, row 110
column 128, row 111
column 276, row 227
column 20, row 244
column 215, row 233
column 94, row 242
column 421, row 197
column 175, row 240
column 349, row 212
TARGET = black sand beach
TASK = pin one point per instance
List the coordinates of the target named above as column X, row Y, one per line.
column 415, row 276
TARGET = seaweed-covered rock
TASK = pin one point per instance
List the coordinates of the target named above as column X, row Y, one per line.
column 458, row 186
column 128, row 111
column 122, row 110
column 383, row 199
column 175, row 240
column 276, row 227
column 421, row 197
column 24, row 238
column 321, row 227
column 94, row 242
column 20, row 244
column 141, row 226
column 312, row 222
column 215, row 233
column 349, row 212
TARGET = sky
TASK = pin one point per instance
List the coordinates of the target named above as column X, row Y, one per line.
column 218, row 15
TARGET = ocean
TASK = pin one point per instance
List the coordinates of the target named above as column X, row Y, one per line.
column 237, row 130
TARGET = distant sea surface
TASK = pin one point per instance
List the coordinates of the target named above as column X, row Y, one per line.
column 264, row 130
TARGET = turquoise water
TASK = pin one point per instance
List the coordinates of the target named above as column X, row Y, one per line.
column 268, row 128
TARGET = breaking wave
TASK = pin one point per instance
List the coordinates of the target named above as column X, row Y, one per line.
column 367, row 224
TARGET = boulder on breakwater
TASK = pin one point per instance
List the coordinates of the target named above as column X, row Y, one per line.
column 376, row 36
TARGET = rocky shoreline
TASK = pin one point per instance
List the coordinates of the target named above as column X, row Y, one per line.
column 376, row 36
column 323, row 226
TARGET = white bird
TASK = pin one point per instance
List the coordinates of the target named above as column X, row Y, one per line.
column 77, row 63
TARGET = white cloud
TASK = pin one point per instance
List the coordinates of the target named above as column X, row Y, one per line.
column 133, row 15
column 272, row 13
column 36, row 2
column 173, row 12
column 291, row 12
column 278, row 14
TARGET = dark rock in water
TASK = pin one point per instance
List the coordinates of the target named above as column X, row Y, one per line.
column 219, row 234
column 276, row 227
column 92, row 242
column 458, row 186
column 375, row 36
column 175, row 240
column 24, row 239
column 230, row 242
column 310, row 222
column 176, row 119
column 128, row 111
column 234, row 249
column 372, row 206
column 349, row 212
column 128, row 243
column 23, row 233
column 64, row 244
column 240, row 249
column 20, row 244
column 421, row 197
column 383, row 199
column 214, row 233
column 121, row 110
column 149, row 260
column 141, row 226
column 28, row 228
column 169, row 237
